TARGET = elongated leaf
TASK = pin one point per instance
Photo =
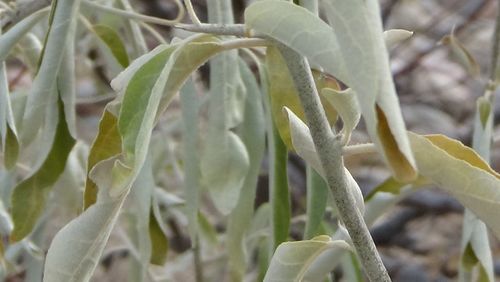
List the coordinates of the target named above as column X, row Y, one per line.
column 43, row 91
column 293, row 261
column 112, row 39
column 353, row 51
column 191, row 155
column 225, row 160
column 253, row 136
column 29, row 196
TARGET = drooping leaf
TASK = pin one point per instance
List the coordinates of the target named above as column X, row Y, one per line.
column 113, row 41
column 253, row 136
column 347, row 107
column 43, row 95
column 225, row 160
column 106, row 145
column 306, row 260
column 353, row 51
column 459, row 171
column 29, row 196
column 394, row 36
column 191, row 154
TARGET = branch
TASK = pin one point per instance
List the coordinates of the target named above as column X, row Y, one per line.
column 329, row 148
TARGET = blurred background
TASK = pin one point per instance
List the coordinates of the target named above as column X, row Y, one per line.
column 420, row 238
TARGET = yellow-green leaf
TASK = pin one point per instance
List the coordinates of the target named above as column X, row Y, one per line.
column 106, row 145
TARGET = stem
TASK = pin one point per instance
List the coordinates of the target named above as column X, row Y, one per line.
column 136, row 16
column 198, row 265
column 329, row 149
column 244, row 43
column 191, row 12
column 359, row 149
column 218, row 29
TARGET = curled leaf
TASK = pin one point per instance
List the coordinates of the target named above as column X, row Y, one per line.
column 347, row 107
column 308, row 260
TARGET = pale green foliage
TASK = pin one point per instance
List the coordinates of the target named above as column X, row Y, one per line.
column 134, row 167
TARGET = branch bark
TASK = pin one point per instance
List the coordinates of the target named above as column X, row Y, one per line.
column 329, row 148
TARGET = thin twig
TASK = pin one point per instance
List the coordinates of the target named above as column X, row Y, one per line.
column 359, row 149
column 136, row 16
column 191, row 12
